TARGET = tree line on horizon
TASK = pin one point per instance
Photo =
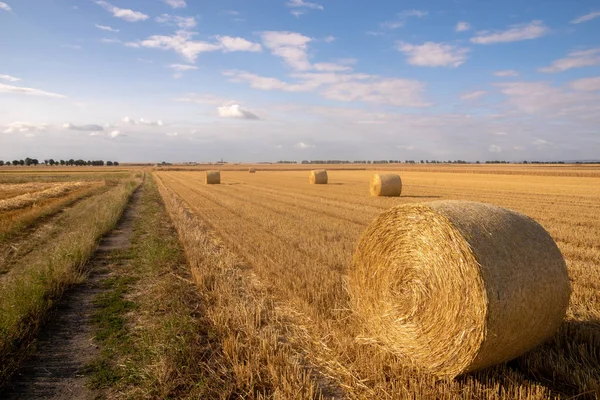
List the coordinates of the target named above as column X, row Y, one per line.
column 71, row 162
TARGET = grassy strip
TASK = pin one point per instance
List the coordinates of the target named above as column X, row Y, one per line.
column 27, row 296
column 154, row 342
column 253, row 351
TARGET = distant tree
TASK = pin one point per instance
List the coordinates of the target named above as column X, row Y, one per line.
column 51, row 161
column 1, row 163
column 477, row 162
column 35, row 161
column 110, row 163
column 116, row 163
column 21, row 162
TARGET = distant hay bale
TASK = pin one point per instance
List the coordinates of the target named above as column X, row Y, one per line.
column 252, row 170
column 386, row 185
column 213, row 177
column 456, row 286
column 318, row 177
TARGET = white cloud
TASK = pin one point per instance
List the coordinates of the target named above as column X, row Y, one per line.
column 105, row 40
column 115, row 133
column 462, row 26
column 176, row 3
column 290, row 46
column 472, row 95
column 95, row 133
column 89, row 128
column 331, row 67
column 329, row 39
column 303, row 4
column 302, row 145
column 205, row 99
column 233, row 13
column 550, row 101
column 297, row 13
column 172, row 134
column 182, row 44
column 406, row 147
column 235, row 111
column 5, row 7
column 182, row 22
column 123, row 13
column 586, row 84
column 228, row 43
column 141, row 121
column 399, row 22
column 431, row 54
column 505, row 73
column 107, row 28
column 515, row 33
column 25, row 127
column 494, row 148
column 343, row 87
column 9, row 78
column 575, row 59
column 28, row 91
column 181, row 68
column 586, row 17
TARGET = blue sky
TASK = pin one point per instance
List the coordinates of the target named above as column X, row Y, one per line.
column 190, row 80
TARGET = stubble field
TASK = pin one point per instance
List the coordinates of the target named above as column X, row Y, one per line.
column 294, row 242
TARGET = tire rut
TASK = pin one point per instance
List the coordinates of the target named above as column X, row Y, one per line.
column 66, row 343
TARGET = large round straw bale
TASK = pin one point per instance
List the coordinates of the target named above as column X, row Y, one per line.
column 213, row 177
column 386, row 185
column 318, row 177
column 252, row 170
column 456, row 286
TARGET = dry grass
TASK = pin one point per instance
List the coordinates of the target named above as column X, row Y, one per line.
column 27, row 199
column 27, row 293
column 298, row 240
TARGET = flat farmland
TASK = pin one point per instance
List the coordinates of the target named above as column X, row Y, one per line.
column 295, row 242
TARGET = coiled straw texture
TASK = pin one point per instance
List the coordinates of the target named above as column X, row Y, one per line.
column 386, row 185
column 318, row 177
column 213, row 177
column 456, row 286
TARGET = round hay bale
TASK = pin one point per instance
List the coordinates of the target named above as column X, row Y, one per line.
column 386, row 185
column 456, row 286
column 318, row 177
column 213, row 177
column 252, row 170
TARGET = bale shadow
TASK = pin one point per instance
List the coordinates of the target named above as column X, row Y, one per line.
column 568, row 364
column 421, row 197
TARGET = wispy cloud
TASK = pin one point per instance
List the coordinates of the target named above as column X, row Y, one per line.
column 402, row 17
column 235, row 111
column 107, row 28
column 303, row 145
column 586, row 84
column 123, row 13
column 25, row 127
column 462, row 26
column 87, row 128
column 141, row 121
column 290, row 46
column 472, row 95
column 181, row 42
column 115, row 134
column 515, row 33
column 575, row 59
column 586, row 17
column 9, row 78
column 176, row 3
column 5, row 7
column 505, row 73
column 182, row 22
column 304, row 4
column 432, row 54
column 180, row 69
column 28, row 91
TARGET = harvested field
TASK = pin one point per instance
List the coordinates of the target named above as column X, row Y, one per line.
column 297, row 242
column 29, row 198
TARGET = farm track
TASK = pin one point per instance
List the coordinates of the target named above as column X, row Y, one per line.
column 65, row 345
column 299, row 240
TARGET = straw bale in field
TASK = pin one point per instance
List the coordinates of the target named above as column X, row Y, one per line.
column 456, row 286
column 318, row 177
column 252, row 170
column 386, row 185
column 213, row 177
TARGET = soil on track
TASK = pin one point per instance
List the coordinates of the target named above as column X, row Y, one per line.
column 66, row 343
